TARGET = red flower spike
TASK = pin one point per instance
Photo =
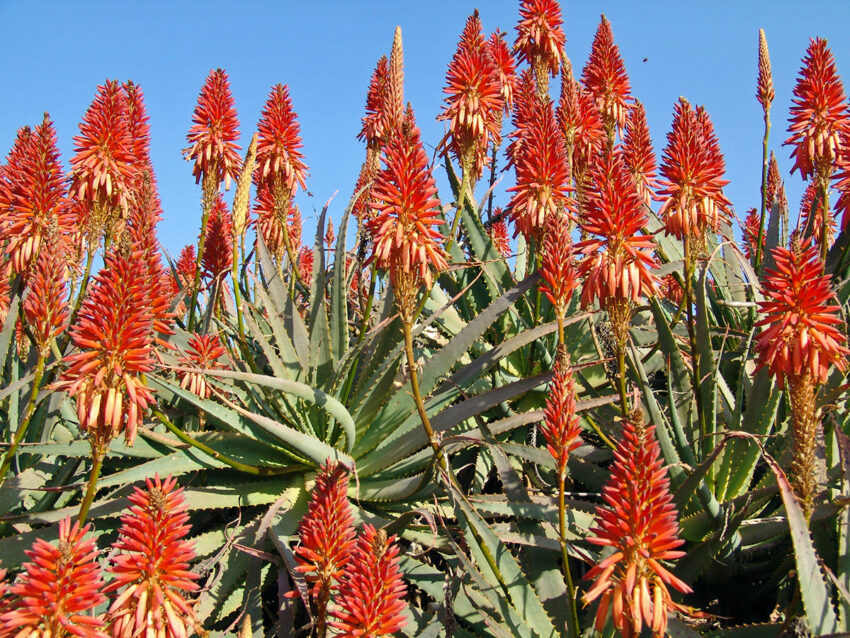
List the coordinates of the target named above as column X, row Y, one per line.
column 370, row 601
column 561, row 426
column 204, row 352
column 474, row 103
column 540, row 37
column 151, row 568
column 218, row 249
column 5, row 294
column 693, row 167
column 750, row 231
column 270, row 224
column 775, row 187
column 376, row 123
column 213, row 134
column 764, row 85
column 114, row 334
column 326, row 532
column 558, row 275
column 499, row 233
column 46, row 304
column 671, row 290
column 138, row 123
column 618, row 262
column 638, row 155
column 104, row 169
column 819, row 118
column 580, row 124
column 186, row 265
column 279, row 158
column 525, row 103
column 305, row 264
column 56, row 589
column 406, row 213
column 605, row 77
column 800, row 318
column 640, row 522
column 808, row 205
column 542, row 174
column 506, row 66
column 35, row 206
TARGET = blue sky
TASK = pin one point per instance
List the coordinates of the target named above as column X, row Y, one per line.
column 56, row 53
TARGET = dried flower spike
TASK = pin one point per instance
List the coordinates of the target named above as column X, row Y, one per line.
column 639, row 521
column 151, row 570
column 370, row 601
column 56, row 590
column 764, row 85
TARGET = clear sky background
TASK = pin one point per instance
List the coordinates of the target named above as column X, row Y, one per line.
column 56, row 53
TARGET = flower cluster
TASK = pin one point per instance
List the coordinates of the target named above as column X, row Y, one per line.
column 605, row 77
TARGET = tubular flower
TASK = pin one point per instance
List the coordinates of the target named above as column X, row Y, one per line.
column 638, row 155
column 327, row 534
column 370, row 601
column 499, row 233
column 764, row 85
column 692, row 184
column 811, row 208
column 204, row 352
column 561, row 426
column 474, row 103
column 305, row 264
column 618, row 262
column 56, row 589
column 558, row 275
column 46, row 304
column 750, row 231
column 540, row 39
column 406, row 241
column 213, row 134
column 819, row 118
column 376, row 121
column 139, row 124
column 799, row 344
column 800, row 318
column 542, row 174
column 639, row 521
column 186, row 266
column 580, row 124
column 36, row 205
column 505, row 65
column 605, row 77
column 114, row 332
column 280, row 162
column 525, row 102
column 152, row 566
column 104, row 169
column 218, row 251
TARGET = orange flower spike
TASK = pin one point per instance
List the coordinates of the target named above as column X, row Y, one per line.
column 808, row 205
column 204, row 352
column 214, row 131
column 376, row 123
column 406, row 212
column 618, row 262
column 692, row 170
column 186, row 265
column 473, row 103
column 764, row 85
column 57, row 588
column 114, row 334
column 499, row 233
column 775, row 187
column 800, row 319
column 580, row 124
column 305, row 264
column 605, row 77
column 542, row 174
column 640, row 522
column 558, row 274
column 671, row 290
column 525, row 102
column 561, row 426
column 104, row 168
column 540, row 37
column 370, row 601
column 506, row 66
column 151, row 567
column 819, row 118
column 46, row 304
column 750, row 230
column 36, row 206
column 218, row 252
column 138, row 123
column 638, row 155
column 279, row 144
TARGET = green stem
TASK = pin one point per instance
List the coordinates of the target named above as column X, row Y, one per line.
column 97, row 464
column 762, row 215
column 461, row 201
column 565, row 557
column 824, row 237
column 621, row 379
column 208, row 200
column 84, row 282
column 692, row 339
column 22, row 428
column 234, row 275
column 417, row 396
